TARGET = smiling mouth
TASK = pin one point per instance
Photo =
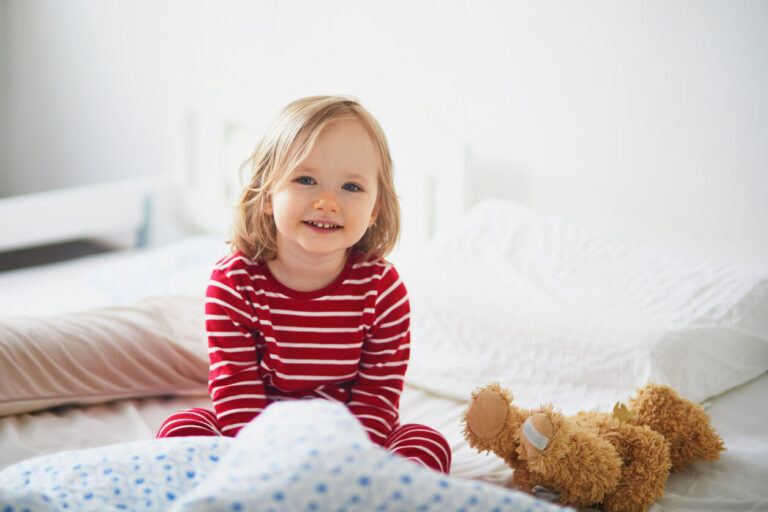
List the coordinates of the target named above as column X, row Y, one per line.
column 321, row 225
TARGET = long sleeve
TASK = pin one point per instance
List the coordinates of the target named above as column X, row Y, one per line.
column 375, row 395
column 235, row 384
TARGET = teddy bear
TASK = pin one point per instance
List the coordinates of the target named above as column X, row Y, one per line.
column 616, row 461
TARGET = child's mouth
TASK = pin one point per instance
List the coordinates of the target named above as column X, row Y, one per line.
column 321, row 225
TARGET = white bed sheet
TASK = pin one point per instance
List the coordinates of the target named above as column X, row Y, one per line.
column 736, row 482
column 119, row 278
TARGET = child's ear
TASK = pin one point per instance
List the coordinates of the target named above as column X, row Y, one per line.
column 267, row 208
column 374, row 214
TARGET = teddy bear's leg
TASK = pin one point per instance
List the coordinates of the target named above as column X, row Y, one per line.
column 523, row 479
column 645, row 472
column 491, row 424
column 683, row 423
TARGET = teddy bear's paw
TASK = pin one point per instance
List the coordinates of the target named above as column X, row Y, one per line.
column 487, row 415
column 537, row 432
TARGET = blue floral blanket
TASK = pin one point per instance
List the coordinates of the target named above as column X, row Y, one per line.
column 307, row 455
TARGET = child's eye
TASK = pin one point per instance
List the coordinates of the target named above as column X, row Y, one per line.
column 352, row 187
column 305, row 180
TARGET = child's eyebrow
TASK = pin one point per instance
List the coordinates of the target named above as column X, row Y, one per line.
column 302, row 168
column 359, row 177
column 305, row 169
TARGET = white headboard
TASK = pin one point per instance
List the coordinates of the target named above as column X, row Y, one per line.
column 438, row 177
column 110, row 209
column 430, row 176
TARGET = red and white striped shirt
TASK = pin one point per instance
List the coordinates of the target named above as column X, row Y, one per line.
column 348, row 342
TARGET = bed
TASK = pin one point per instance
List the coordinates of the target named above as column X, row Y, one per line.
column 96, row 352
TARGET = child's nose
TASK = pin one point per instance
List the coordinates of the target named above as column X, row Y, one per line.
column 326, row 202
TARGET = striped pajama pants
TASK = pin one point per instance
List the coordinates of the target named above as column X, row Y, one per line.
column 419, row 443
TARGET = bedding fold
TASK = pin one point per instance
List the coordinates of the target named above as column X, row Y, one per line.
column 155, row 347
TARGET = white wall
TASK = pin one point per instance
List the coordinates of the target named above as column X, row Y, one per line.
column 95, row 94
column 647, row 118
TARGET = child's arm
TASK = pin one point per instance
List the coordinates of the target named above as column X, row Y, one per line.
column 375, row 396
column 235, row 384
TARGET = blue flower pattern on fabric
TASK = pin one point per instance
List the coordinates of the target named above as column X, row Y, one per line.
column 308, row 455
column 144, row 475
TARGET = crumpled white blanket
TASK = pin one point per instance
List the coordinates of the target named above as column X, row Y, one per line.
column 297, row 455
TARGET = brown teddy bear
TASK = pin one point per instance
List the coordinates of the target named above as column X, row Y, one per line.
column 617, row 462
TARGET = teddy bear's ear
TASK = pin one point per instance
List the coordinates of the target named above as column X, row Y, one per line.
column 621, row 413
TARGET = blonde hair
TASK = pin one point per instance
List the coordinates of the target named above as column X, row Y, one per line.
column 286, row 143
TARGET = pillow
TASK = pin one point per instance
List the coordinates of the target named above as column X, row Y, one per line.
column 157, row 347
column 559, row 313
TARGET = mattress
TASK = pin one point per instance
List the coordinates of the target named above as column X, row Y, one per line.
column 458, row 348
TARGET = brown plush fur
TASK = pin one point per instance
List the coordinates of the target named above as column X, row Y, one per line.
column 679, row 420
column 593, row 459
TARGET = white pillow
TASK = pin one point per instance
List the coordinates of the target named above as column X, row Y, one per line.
column 157, row 347
column 559, row 313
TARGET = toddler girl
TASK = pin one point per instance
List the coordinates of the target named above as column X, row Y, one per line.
column 305, row 306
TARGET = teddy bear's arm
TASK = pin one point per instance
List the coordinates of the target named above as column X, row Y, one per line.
column 646, row 467
column 577, row 463
column 492, row 423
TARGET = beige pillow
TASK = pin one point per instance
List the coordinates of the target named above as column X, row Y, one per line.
column 156, row 347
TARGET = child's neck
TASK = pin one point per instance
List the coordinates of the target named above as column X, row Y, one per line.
column 305, row 275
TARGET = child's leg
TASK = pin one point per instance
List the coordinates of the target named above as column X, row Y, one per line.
column 421, row 444
column 190, row 422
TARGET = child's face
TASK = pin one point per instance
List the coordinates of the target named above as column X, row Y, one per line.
column 330, row 199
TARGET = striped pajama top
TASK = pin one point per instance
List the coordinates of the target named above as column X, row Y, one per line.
column 348, row 342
